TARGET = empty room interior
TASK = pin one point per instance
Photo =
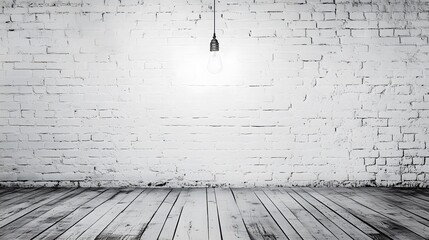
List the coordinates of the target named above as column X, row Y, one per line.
column 214, row 119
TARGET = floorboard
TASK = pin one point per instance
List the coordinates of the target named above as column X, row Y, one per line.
column 169, row 227
column 230, row 219
column 94, row 231
column 317, row 229
column 131, row 223
column 408, row 220
column 14, row 196
column 55, row 214
column 214, row 213
column 346, row 215
column 93, row 223
column 155, row 226
column 79, row 213
column 317, row 213
column 193, row 220
column 417, row 207
column 392, row 229
column 288, row 215
column 344, row 229
column 274, row 212
column 258, row 222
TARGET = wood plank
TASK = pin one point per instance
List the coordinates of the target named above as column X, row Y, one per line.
column 193, row 221
column 281, row 221
column 334, row 229
column 316, row 206
column 417, row 201
column 4, row 191
column 49, row 218
column 10, row 205
column 365, row 228
column 383, row 224
column 230, row 218
column 213, row 216
column 154, row 227
column 424, row 192
column 95, row 229
column 414, row 223
column 131, row 223
column 112, row 206
column 419, row 194
column 402, row 203
column 61, row 226
column 311, row 224
column 169, row 228
column 24, row 198
column 16, row 195
column 405, row 195
column 257, row 220
column 20, row 210
column 8, row 190
column 290, row 217
column 31, row 216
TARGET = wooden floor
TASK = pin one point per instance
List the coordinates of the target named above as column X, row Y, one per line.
column 207, row 213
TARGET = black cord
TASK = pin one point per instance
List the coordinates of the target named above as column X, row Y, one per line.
column 214, row 17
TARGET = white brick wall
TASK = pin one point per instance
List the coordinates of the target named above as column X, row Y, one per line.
column 116, row 93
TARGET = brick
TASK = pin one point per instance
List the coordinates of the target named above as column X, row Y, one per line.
column 274, row 7
column 362, row 176
column 4, row 176
column 391, row 153
column 338, row 176
column 329, row 24
column 307, row 177
column 414, row 40
column 302, row 24
column 411, row 145
column 409, row 177
column 418, row 160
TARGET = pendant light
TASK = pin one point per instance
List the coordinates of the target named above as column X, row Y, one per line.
column 215, row 62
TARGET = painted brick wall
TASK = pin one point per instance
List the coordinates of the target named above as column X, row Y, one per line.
column 116, row 93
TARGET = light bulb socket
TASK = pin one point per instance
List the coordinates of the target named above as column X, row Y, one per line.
column 214, row 44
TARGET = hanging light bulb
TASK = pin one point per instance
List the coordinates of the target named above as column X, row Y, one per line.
column 215, row 62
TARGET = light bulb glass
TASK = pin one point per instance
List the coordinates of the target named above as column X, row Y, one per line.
column 215, row 62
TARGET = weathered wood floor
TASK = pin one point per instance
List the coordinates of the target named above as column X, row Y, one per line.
column 228, row 214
